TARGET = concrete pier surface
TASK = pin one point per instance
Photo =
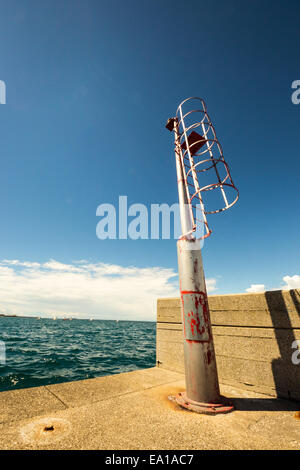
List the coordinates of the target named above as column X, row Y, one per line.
column 132, row 411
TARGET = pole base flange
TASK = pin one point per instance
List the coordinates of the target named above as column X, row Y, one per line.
column 205, row 408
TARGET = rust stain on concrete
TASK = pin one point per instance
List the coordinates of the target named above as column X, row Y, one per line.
column 45, row 430
column 170, row 403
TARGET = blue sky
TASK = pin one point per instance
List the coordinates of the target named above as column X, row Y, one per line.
column 90, row 85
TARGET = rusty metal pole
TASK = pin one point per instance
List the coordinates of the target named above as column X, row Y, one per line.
column 202, row 387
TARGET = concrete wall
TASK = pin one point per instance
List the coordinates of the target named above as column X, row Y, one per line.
column 253, row 336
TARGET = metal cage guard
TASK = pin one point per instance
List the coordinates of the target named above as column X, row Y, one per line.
column 200, row 152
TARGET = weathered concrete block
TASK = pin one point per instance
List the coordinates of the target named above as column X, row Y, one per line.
column 253, row 336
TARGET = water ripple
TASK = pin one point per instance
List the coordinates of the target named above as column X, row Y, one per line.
column 42, row 352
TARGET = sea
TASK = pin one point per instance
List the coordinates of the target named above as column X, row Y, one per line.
column 46, row 351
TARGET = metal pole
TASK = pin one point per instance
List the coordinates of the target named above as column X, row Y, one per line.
column 202, row 387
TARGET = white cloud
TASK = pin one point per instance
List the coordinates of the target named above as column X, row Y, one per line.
column 211, row 285
column 84, row 289
column 256, row 288
column 291, row 282
column 16, row 262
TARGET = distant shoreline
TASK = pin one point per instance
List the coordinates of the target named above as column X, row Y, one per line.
column 15, row 316
column 79, row 319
